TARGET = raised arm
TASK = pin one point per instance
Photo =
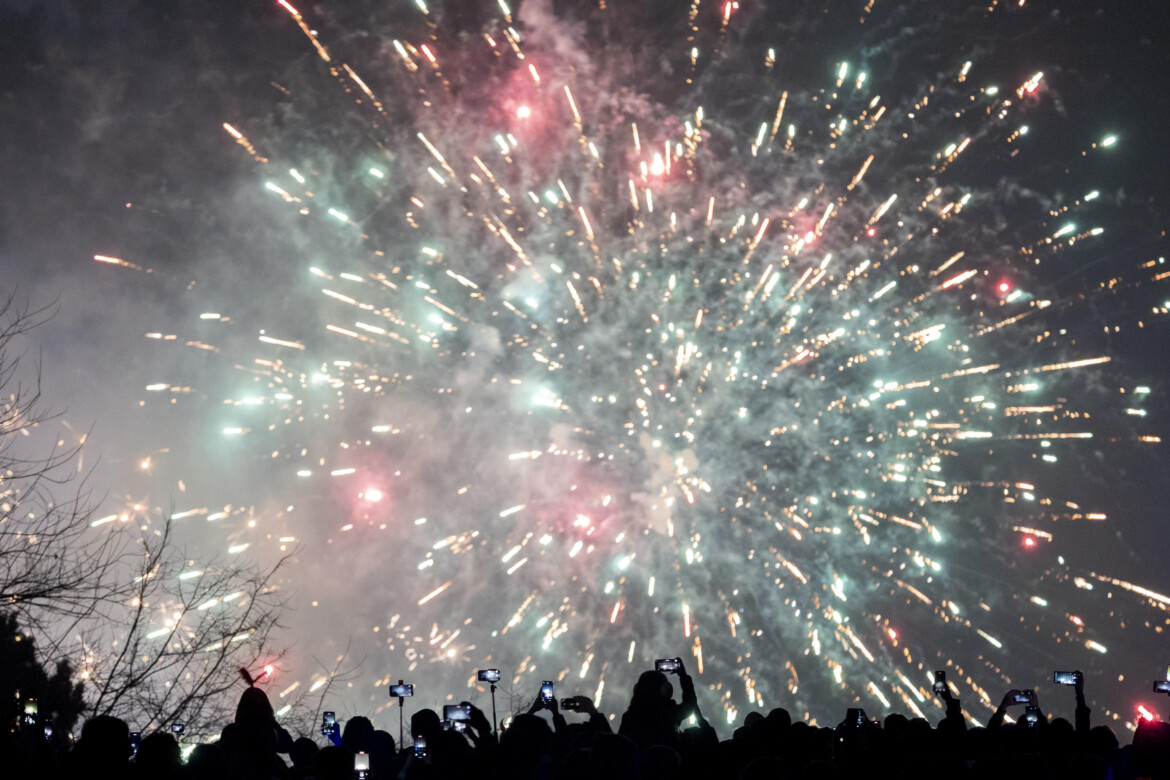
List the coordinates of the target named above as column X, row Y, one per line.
column 1082, row 712
column 953, row 720
column 583, row 704
column 1009, row 699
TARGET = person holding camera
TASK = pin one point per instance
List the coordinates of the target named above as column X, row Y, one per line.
column 1032, row 715
column 597, row 723
column 653, row 717
column 1082, row 712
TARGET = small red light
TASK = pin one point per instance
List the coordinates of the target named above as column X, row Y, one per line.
column 871, row 232
column 1029, row 541
column 1005, row 287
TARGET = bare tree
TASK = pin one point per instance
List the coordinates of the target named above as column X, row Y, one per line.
column 53, row 568
column 157, row 638
column 302, row 713
column 172, row 652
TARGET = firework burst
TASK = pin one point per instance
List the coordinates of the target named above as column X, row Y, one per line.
column 609, row 352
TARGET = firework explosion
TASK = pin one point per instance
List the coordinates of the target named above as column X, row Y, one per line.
column 612, row 341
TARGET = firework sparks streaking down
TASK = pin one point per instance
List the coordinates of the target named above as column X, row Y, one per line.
column 597, row 353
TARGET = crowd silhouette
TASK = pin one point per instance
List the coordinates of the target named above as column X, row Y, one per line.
column 657, row 738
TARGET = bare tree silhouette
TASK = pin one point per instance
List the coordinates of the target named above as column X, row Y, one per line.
column 156, row 637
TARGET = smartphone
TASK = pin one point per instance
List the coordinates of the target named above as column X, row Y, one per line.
column 135, row 741
column 48, row 732
column 1032, row 715
column 401, row 690
column 546, row 690
column 177, row 728
column 361, row 765
column 420, row 747
column 1064, row 678
column 460, row 712
column 1161, row 686
column 459, row 726
column 489, row 675
column 30, row 712
column 1024, row 697
column 668, row 665
column 570, row 704
column 940, row 682
column 328, row 723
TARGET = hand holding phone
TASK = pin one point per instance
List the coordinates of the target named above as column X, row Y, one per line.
column 1026, row 696
column 940, row 683
column 544, row 700
column 478, row 722
column 578, row 704
column 1075, row 678
column 668, row 665
column 461, row 712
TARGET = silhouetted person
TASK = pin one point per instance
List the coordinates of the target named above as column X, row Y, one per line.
column 1151, row 749
column 357, row 734
column 574, row 766
column 255, row 715
column 1012, row 698
column 254, row 739
column 525, row 748
column 1102, row 743
column 615, row 757
column 103, row 750
column 425, row 724
column 207, row 762
column 302, row 754
column 158, row 757
column 333, row 763
column 658, row 762
column 383, row 760
column 653, row 717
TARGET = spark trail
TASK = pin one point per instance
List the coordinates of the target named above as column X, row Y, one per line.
column 606, row 364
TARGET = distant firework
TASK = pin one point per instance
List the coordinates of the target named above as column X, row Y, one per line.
column 625, row 351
